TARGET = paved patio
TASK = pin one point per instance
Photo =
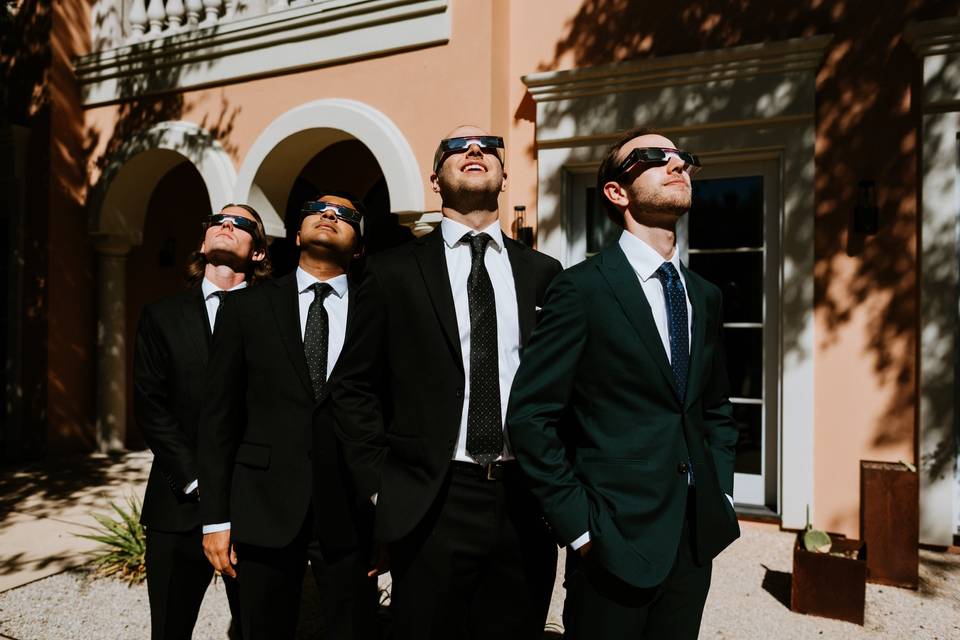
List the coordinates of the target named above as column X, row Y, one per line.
column 43, row 596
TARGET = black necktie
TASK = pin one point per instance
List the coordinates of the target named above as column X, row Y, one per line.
column 677, row 324
column 315, row 337
column 220, row 295
column 484, row 425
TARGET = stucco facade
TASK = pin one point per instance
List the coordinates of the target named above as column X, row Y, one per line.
column 146, row 134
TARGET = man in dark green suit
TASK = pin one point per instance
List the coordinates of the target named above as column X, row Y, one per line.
column 619, row 413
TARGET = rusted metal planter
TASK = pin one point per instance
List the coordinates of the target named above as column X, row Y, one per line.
column 890, row 522
column 829, row 586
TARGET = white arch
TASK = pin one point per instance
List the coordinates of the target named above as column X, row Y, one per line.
column 288, row 143
column 119, row 201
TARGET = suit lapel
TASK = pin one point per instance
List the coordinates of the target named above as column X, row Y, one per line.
column 526, row 286
column 433, row 267
column 196, row 323
column 286, row 310
column 698, row 302
column 626, row 288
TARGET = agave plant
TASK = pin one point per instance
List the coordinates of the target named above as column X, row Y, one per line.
column 123, row 543
column 814, row 539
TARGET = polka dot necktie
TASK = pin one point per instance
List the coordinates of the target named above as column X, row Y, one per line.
column 484, row 426
column 677, row 324
column 315, row 337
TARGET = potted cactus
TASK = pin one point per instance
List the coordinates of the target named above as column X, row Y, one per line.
column 890, row 521
column 829, row 575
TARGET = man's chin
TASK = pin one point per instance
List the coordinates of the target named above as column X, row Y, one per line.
column 218, row 257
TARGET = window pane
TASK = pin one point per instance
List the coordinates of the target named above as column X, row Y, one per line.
column 740, row 278
column 750, row 443
column 601, row 231
column 727, row 213
column 744, row 350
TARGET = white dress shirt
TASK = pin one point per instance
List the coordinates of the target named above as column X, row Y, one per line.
column 645, row 261
column 213, row 305
column 497, row 262
column 336, row 303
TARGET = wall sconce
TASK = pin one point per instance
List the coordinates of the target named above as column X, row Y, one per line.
column 524, row 233
column 866, row 215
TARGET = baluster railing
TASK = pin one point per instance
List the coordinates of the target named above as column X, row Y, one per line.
column 156, row 14
column 212, row 10
column 194, row 9
column 175, row 13
column 138, row 20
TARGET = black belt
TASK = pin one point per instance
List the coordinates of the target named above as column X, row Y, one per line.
column 492, row 471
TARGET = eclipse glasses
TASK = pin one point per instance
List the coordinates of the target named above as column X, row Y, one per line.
column 351, row 216
column 238, row 222
column 461, row 144
column 657, row 155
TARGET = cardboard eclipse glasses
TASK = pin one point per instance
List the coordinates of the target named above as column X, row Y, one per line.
column 238, row 222
column 351, row 216
column 657, row 155
column 461, row 144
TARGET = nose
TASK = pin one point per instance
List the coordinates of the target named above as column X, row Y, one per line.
column 329, row 214
column 227, row 223
column 474, row 151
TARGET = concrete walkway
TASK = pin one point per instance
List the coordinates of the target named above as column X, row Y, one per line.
column 42, row 507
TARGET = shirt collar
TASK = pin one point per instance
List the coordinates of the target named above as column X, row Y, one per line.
column 208, row 288
column 643, row 258
column 337, row 283
column 453, row 231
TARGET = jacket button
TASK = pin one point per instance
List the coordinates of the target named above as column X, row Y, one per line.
column 459, row 393
column 683, row 468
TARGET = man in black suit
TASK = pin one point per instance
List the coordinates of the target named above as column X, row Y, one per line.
column 419, row 407
column 275, row 490
column 169, row 360
column 620, row 416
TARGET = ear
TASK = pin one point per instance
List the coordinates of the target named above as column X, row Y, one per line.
column 616, row 193
column 258, row 256
column 297, row 239
column 203, row 248
column 503, row 185
column 435, row 183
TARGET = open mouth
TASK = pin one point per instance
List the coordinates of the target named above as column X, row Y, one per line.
column 473, row 167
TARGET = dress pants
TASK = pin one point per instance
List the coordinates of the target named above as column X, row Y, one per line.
column 178, row 574
column 271, row 582
column 481, row 564
column 600, row 606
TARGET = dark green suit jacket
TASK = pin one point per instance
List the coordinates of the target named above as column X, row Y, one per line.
column 598, row 425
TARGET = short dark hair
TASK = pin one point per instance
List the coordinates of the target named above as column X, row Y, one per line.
column 256, row 271
column 354, row 200
column 608, row 168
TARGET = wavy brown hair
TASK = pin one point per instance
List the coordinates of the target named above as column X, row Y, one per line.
column 608, row 167
column 256, row 271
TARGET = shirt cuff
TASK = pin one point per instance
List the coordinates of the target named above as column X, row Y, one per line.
column 730, row 498
column 579, row 542
column 190, row 487
column 214, row 528
column 373, row 499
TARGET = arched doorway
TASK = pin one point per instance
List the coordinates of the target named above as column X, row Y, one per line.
column 145, row 213
column 348, row 167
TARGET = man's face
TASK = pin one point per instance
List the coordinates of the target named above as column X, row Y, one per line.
column 473, row 171
column 226, row 240
column 327, row 230
column 656, row 188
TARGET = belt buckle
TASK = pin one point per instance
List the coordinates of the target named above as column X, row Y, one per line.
column 491, row 466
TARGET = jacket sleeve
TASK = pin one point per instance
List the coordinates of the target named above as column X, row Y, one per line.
column 355, row 394
column 719, row 427
column 174, row 453
column 538, row 401
column 223, row 415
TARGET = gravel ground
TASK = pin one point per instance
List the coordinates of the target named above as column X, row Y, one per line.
column 747, row 600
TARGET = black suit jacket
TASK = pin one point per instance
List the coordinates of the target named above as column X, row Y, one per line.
column 169, row 358
column 267, row 447
column 597, row 423
column 399, row 393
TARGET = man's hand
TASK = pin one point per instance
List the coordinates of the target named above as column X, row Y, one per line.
column 220, row 553
column 381, row 560
column 585, row 549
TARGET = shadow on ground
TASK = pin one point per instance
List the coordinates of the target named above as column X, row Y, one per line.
column 777, row 584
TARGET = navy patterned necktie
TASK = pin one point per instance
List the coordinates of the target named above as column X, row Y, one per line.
column 484, row 426
column 677, row 324
column 315, row 337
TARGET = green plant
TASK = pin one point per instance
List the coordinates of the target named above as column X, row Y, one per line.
column 814, row 539
column 123, row 543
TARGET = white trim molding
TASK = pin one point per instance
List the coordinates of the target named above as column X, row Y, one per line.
column 937, row 42
column 300, row 37
column 287, row 144
column 118, row 202
column 728, row 103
